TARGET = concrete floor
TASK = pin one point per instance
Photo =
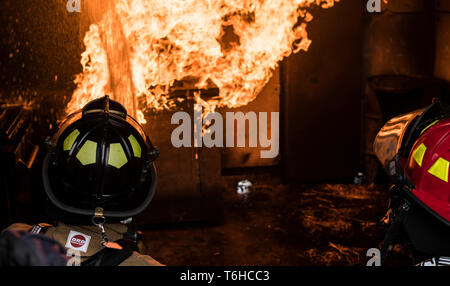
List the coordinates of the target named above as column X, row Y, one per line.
column 279, row 224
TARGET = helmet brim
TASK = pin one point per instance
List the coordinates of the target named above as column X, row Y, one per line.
column 413, row 195
column 91, row 212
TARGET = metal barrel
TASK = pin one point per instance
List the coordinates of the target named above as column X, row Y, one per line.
column 398, row 54
column 399, row 40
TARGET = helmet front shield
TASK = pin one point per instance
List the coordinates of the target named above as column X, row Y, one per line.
column 389, row 139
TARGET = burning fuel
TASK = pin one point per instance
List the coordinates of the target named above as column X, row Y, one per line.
column 140, row 50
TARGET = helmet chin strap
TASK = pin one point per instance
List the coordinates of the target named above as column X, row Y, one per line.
column 99, row 220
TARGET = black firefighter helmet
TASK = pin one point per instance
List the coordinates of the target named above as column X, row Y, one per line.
column 100, row 160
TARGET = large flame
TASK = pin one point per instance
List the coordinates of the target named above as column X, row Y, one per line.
column 142, row 48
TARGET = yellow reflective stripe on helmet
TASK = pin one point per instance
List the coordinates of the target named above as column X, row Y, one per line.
column 88, row 153
column 426, row 128
column 68, row 142
column 117, row 157
column 419, row 153
column 440, row 169
column 135, row 145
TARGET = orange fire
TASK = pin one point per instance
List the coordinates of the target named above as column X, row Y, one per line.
column 141, row 49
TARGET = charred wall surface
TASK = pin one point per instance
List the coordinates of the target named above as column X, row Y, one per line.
column 40, row 46
column 321, row 98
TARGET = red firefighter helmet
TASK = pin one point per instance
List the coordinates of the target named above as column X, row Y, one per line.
column 427, row 169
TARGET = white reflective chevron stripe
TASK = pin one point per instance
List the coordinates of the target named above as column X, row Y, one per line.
column 436, row 261
column 444, row 261
column 429, row 262
column 36, row 229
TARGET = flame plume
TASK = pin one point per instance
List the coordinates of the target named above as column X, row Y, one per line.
column 140, row 49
